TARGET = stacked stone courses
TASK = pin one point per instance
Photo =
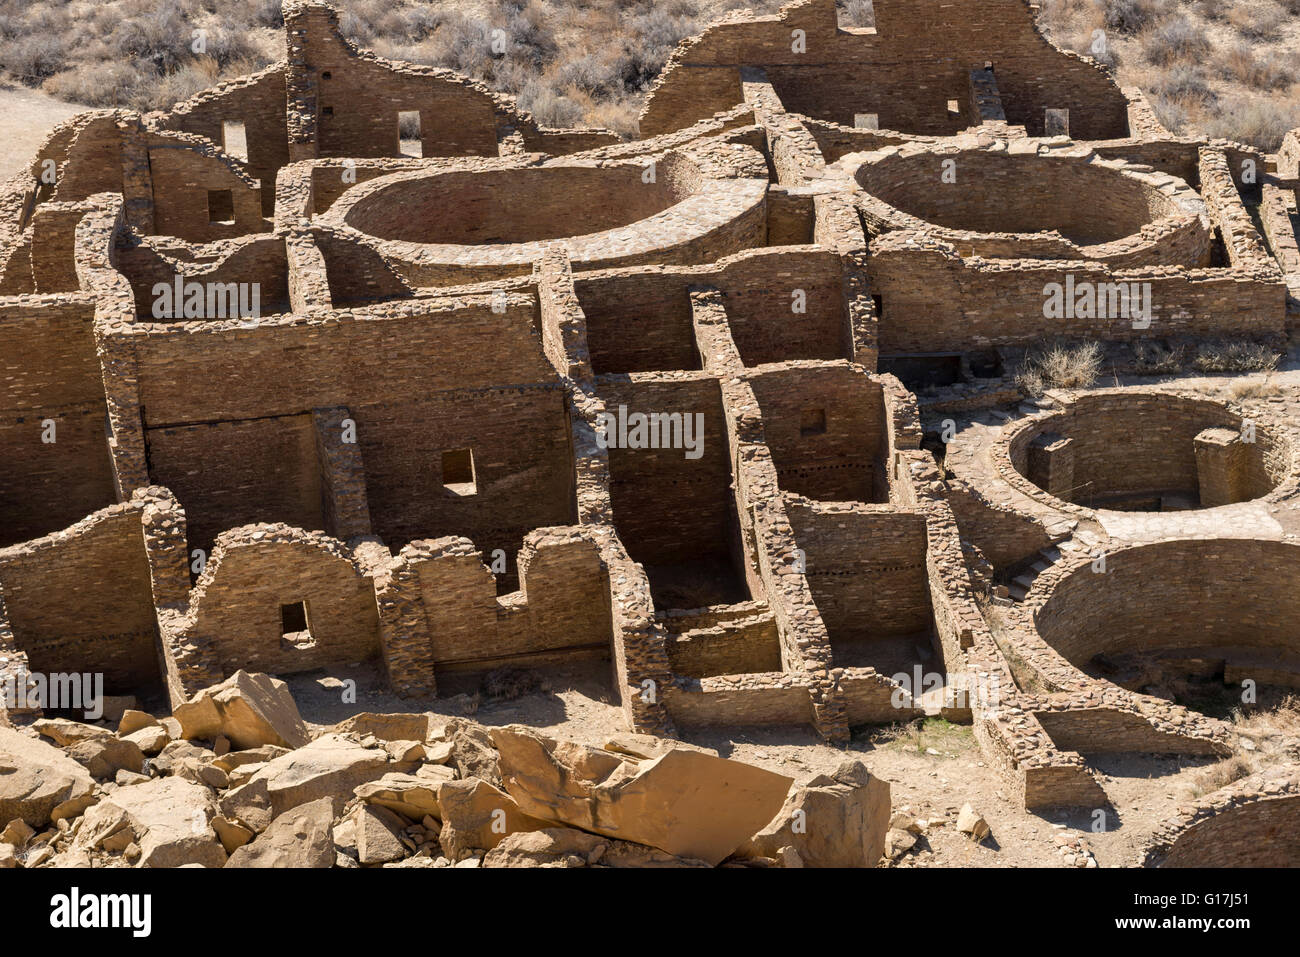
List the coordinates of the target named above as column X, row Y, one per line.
column 829, row 247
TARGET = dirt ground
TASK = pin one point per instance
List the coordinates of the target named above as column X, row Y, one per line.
column 26, row 116
column 934, row 767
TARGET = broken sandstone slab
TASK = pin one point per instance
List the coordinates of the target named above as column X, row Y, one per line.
column 386, row 727
column 133, row 721
column 568, row 847
column 65, row 732
column 687, row 803
column 478, row 816
column 332, row 766
column 250, row 709
column 412, row 796
column 300, row 837
column 169, row 818
column 647, row 745
column 378, row 835
column 839, row 820
column 104, row 756
column 38, row 782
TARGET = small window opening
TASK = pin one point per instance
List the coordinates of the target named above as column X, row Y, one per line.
column 325, row 74
column 221, row 206
column 327, row 110
column 408, row 133
column 234, row 140
column 855, row 15
column 458, row 472
column 295, row 630
column 879, row 303
column 812, row 422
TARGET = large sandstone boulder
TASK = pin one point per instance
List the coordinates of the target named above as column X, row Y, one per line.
column 413, row 796
column 331, row 766
column 300, row 837
column 477, row 816
column 37, row 781
column 104, row 756
column 378, row 835
column 170, row 819
column 250, row 709
column 839, row 820
column 65, row 732
column 569, row 847
column 687, row 803
column 386, row 727
column 647, row 745
column 472, row 751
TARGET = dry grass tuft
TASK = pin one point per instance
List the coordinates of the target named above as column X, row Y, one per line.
column 1221, row 775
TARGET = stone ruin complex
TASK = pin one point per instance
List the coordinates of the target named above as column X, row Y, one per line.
column 281, row 391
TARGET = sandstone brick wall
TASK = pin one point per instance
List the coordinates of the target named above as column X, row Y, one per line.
column 911, row 81
column 356, row 96
column 258, row 102
column 356, row 273
column 774, row 698
column 250, row 260
column 739, row 646
column 94, row 158
column 638, row 320
column 184, row 169
column 933, row 301
column 668, row 509
column 80, row 601
column 1102, row 731
column 267, row 466
column 561, row 611
column 866, row 567
column 825, row 425
column 253, row 571
column 48, row 371
column 522, row 472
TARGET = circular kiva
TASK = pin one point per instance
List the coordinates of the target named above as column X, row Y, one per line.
column 1132, row 451
column 491, row 221
column 1253, row 822
column 998, row 204
column 1175, row 610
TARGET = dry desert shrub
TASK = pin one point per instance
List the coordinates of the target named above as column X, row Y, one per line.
column 1060, row 365
column 1283, row 720
column 1175, row 40
column 1259, row 19
column 1156, row 357
column 1256, row 120
column 1234, row 355
column 592, row 62
column 1221, row 775
column 1245, row 89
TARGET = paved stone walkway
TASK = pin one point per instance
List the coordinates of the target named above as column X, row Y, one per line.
column 1243, row 520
